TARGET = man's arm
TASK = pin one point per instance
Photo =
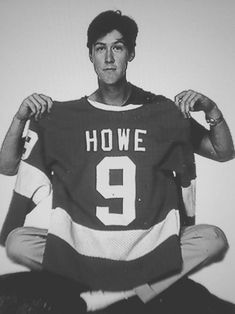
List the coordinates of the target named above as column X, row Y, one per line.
column 216, row 143
column 11, row 151
column 33, row 181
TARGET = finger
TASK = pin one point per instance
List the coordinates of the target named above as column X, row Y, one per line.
column 45, row 103
column 36, row 101
column 182, row 109
column 184, row 104
column 195, row 102
column 191, row 100
column 37, row 106
column 48, row 100
column 179, row 96
column 41, row 104
column 31, row 107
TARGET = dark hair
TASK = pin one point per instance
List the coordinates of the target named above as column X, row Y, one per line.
column 108, row 21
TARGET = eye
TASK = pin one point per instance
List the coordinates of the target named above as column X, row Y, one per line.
column 118, row 47
column 99, row 48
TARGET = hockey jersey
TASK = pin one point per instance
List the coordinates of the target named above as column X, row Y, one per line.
column 114, row 221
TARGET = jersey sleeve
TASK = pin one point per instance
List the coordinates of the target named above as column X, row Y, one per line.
column 32, row 183
column 180, row 158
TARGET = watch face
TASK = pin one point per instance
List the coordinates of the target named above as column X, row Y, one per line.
column 211, row 121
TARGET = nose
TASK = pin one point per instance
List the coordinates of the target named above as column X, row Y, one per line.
column 109, row 56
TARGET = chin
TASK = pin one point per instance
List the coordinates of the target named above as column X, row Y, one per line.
column 111, row 81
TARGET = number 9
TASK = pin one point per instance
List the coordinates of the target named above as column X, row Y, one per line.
column 126, row 191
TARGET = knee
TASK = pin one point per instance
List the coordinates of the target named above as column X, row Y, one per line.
column 15, row 245
column 215, row 241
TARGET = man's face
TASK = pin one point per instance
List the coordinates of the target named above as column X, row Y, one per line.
column 110, row 57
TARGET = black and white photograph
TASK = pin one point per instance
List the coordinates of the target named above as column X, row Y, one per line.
column 117, row 171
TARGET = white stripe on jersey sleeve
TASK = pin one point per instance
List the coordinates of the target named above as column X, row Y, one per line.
column 32, row 183
column 115, row 245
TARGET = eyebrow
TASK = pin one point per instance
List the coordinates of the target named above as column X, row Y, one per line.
column 116, row 42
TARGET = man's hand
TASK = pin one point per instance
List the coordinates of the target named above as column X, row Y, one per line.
column 190, row 100
column 35, row 106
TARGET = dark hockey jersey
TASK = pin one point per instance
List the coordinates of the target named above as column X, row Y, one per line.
column 114, row 221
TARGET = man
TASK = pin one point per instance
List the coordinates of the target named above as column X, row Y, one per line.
column 110, row 160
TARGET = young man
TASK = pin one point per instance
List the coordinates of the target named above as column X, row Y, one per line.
column 110, row 160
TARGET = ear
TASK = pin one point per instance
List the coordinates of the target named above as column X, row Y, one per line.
column 132, row 55
column 90, row 57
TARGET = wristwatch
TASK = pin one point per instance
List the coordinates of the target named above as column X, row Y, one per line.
column 213, row 122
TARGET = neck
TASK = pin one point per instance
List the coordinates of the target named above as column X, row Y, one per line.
column 115, row 95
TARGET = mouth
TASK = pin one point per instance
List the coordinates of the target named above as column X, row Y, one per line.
column 110, row 69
